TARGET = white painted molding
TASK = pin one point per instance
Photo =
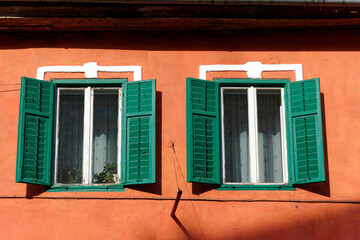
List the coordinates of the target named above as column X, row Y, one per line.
column 253, row 69
column 90, row 69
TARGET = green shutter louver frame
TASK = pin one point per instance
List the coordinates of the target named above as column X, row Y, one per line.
column 138, row 138
column 202, row 130
column 35, row 132
column 305, row 109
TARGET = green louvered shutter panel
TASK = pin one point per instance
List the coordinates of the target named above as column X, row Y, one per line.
column 203, row 140
column 307, row 131
column 35, row 132
column 138, row 124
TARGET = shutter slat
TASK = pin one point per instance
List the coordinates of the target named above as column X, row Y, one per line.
column 138, row 144
column 307, row 131
column 203, row 141
column 35, row 132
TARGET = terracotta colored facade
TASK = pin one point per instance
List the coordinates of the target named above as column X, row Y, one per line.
column 329, row 210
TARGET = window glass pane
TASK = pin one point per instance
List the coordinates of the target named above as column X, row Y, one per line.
column 236, row 135
column 105, row 133
column 70, row 136
column 269, row 136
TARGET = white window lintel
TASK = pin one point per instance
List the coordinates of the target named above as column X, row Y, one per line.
column 253, row 69
column 90, row 69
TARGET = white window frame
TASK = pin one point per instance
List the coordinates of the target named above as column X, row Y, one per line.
column 88, row 134
column 253, row 136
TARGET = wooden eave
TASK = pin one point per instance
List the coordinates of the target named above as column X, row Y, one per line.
column 69, row 16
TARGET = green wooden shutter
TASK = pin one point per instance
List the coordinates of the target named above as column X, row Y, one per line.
column 307, row 137
column 138, row 138
column 35, row 132
column 203, row 140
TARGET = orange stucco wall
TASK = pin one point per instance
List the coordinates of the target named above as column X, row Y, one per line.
column 143, row 212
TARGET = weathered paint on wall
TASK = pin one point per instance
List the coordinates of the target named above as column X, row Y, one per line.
column 306, row 213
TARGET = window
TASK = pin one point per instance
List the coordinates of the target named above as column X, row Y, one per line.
column 254, row 134
column 94, row 155
column 257, row 112
column 76, row 134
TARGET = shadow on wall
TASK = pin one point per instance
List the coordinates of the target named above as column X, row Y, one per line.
column 322, row 224
column 256, row 221
column 33, row 190
column 251, row 40
column 199, row 188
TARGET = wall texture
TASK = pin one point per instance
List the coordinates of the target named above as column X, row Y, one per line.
column 329, row 210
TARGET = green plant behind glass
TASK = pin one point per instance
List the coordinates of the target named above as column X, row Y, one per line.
column 107, row 175
column 73, row 175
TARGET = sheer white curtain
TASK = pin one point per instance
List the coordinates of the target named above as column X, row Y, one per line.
column 236, row 135
column 105, row 133
column 70, row 136
column 269, row 136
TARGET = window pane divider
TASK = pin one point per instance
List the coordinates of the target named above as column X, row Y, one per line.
column 223, row 135
column 57, row 134
column 119, row 136
column 253, row 139
column 87, row 136
column 283, row 138
column 90, row 159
